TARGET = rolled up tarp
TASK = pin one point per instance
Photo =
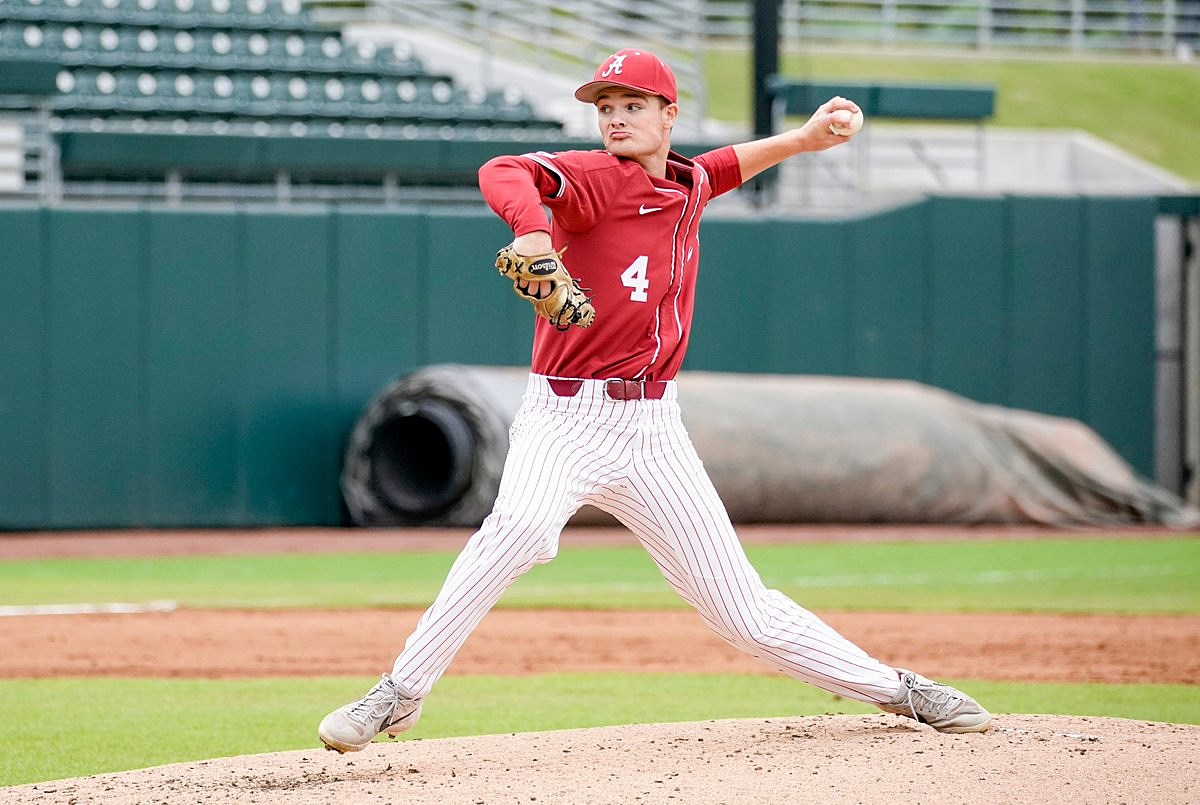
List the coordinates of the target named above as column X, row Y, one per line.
column 429, row 450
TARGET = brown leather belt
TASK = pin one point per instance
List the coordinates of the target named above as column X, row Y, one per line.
column 615, row 389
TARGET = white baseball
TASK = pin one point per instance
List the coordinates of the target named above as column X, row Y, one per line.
column 846, row 122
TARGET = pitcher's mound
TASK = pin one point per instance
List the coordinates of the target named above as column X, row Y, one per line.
column 823, row 759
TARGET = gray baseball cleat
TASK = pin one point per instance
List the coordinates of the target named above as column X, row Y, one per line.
column 387, row 707
column 942, row 707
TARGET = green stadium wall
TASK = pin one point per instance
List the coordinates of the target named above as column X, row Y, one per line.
column 203, row 368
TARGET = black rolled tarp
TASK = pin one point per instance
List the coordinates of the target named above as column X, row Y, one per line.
column 429, row 449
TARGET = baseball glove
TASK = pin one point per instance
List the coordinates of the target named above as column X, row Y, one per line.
column 560, row 300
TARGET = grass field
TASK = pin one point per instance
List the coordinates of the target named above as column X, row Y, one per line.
column 1147, row 108
column 1106, row 575
column 119, row 724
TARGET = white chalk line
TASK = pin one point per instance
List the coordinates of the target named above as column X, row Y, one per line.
column 991, row 576
column 115, row 608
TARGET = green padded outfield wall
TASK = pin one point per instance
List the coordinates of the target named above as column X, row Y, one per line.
column 175, row 368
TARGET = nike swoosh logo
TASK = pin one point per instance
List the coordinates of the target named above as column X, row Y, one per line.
column 642, row 210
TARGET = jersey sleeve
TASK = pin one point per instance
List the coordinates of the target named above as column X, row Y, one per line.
column 514, row 188
column 723, row 169
column 577, row 186
column 588, row 181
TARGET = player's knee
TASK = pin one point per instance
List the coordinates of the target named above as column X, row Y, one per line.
column 750, row 636
column 527, row 543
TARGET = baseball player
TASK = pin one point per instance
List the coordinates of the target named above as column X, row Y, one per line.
column 612, row 277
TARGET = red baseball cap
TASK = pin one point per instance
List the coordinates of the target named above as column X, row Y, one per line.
column 638, row 70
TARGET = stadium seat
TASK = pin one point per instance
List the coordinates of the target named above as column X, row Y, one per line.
column 292, row 95
column 261, row 101
column 26, row 10
column 293, row 51
column 181, row 89
column 217, row 94
column 219, row 12
column 59, row 40
column 287, row 13
column 179, row 48
column 151, row 47
column 363, row 54
column 111, row 44
column 331, row 46
column 65, row 82
column 259, row 67
column 93, row 90
column 181, row 12
column 19, row 38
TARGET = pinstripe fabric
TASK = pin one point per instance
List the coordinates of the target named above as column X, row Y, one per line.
column 634, row 460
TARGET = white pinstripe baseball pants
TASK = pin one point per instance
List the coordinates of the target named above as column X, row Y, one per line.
column 634, row 460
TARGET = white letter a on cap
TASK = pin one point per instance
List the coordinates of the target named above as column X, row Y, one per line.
column 614, row 66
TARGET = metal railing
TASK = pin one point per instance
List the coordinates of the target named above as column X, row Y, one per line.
column 1137, row 27
column 572, row 32
column 30, row 155
column 569, row 37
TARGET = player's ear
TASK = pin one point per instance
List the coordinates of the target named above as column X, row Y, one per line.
column 670, row 112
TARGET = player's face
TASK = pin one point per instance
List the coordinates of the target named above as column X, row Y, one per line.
column 633, row 125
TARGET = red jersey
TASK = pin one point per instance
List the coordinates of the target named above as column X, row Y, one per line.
column 631, row 239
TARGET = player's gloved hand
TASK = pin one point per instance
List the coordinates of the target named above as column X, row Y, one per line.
column 543, row 281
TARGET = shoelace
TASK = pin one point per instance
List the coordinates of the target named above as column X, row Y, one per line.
column 379, row 703
column 940, row 698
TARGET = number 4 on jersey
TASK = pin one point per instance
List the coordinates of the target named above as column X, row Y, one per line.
column 634, row 277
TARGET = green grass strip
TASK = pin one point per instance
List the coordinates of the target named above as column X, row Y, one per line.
column 59, row 728
column 1134, row 576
